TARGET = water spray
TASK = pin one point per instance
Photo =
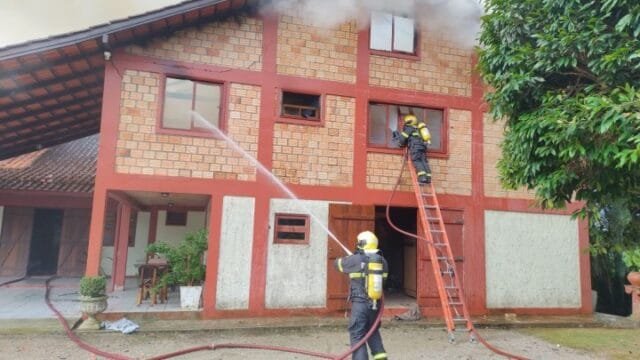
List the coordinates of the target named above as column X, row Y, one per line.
column 202, row 121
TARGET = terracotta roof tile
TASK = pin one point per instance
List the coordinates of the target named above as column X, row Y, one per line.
column 69, row 167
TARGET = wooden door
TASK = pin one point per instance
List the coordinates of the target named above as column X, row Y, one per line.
column 74, row 242
column 15, row 241
column 427, row 290
column 345, row 222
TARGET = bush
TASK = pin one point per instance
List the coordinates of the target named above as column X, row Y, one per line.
column 93, row 286
column 184, row 259
column 631, row 259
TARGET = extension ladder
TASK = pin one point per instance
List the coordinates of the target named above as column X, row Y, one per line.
column 448, row 284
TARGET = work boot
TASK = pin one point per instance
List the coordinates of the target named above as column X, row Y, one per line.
column 424, row 179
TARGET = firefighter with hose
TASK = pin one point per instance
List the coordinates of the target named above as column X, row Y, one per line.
column 367, row 269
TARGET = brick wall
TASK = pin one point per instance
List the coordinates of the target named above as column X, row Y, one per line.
column 236, row 44
column 313, row 52
column 493, row 135
column 451, row 176
column 312, row 155
column 140, row 150
column 441, row 68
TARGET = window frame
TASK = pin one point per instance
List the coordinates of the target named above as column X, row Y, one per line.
column 291, row 119
column 415, row 55
column 442, row 153
column 193, row 131
column 307, row 228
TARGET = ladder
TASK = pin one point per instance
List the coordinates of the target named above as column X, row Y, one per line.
column 454, row 308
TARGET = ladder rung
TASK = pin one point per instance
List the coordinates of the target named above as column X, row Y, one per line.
column 437, row 231
column 439, row 244
column 460, row 319
column 456, row 303
column 451, row 287
column 430, row 207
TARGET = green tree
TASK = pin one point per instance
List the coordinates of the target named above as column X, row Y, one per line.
column 565, row 77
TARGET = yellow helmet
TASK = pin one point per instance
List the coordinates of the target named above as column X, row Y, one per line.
column 367, row 241
column 410, row 119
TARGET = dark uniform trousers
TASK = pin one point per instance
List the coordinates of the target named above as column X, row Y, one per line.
column 362, row 318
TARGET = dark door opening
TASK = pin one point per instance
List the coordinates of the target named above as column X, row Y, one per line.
column 401, row 254
column 45, row 242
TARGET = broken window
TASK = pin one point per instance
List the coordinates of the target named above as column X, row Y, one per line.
column 392, row 33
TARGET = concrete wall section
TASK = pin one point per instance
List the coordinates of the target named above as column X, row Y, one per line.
column 234, row 264
column 297, row 274
column 532, row 260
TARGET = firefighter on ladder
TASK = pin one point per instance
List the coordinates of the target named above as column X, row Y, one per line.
column 367, row 269
column 416, row 136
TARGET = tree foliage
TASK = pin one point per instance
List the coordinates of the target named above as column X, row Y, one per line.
column 565, row 76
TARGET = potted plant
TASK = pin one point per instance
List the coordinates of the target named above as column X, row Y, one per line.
column 186, row 266
column 93, row 300
column 631, row 258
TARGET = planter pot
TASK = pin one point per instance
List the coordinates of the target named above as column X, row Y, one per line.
column 91, row 306
column 634, row 278
column 190, row 297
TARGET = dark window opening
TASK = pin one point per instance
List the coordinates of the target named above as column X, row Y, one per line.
column 176, row 218
column 45, row 242
column 291, row 229
column 300, row 106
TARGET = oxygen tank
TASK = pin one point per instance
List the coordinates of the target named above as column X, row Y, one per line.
column 375, row 269
column 424, row 133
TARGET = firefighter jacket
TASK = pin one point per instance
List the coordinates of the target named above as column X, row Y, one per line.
column 416, row 136
column 355, row 265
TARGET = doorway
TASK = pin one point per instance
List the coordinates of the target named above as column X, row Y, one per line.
column 45, row 242
column 401, row 254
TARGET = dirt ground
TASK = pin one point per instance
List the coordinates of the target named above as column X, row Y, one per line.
column 400, row 342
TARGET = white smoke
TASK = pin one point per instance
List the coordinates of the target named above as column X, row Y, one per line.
column 457, row 20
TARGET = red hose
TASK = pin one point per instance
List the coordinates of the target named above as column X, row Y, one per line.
column 108, row 355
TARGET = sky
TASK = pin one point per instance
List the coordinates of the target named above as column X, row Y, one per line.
column 26, row 20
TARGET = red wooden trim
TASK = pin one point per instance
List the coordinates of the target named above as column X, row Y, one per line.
column 178, row 208
column 203, row 72
column 433, row 100
column 105, row 163
column 153, row 225
column 45, row 199
column 213, row 255
column 475, row 282
column 585, row 266
column 123, row 198
column 121, row 248
column 361, row 119
column 268, row 93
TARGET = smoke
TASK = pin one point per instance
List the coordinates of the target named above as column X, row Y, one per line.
column 456, row 20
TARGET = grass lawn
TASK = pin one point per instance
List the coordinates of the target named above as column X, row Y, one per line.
column 608, row 343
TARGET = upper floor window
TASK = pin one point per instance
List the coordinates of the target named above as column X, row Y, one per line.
column 299, row 106
column 392, row 33
column 386, row 118
column 183, row 97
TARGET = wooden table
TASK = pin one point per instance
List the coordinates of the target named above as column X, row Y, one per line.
column 149, row 275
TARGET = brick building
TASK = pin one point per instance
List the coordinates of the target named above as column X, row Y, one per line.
column 316, row 108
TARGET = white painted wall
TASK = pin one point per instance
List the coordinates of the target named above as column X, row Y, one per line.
column 234, row 259
column 175, row 234
column 297, row 274
column 532, row 260
column 169, row 234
